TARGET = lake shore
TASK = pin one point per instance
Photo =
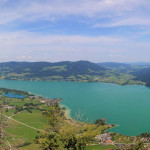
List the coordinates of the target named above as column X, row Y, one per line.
column 66, row 110
column 80, row 81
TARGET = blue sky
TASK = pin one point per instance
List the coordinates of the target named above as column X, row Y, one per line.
column 58, row 30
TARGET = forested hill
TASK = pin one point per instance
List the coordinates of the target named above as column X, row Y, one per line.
column 114, row 65
column 50, row 71
column 61, row 68
column 143, row 75
column 83, row 71
column 140, row 70
column 121, row 67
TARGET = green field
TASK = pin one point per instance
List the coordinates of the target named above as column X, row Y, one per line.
column 31, row 122
column 34, row 119
column 19, row 134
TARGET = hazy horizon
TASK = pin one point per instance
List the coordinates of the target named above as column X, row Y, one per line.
column 94, row 30
column 77, row 61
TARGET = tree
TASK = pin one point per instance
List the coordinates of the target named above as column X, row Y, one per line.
column 145, row 135
column 138, row 146
column 51, row 141
column 6, row 110
column 72, row 140
column 57, row 139
column 100, row 122
column 55, row 117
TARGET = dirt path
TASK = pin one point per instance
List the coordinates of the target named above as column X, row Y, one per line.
column 24, row 124
column 8, row 144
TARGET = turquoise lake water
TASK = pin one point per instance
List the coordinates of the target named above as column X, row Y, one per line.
column 127, row 106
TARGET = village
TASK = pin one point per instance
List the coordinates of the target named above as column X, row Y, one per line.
column 106, row 139
column 45, row 101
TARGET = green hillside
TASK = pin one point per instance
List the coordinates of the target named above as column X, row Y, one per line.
column 80, row 71
column 70, row 71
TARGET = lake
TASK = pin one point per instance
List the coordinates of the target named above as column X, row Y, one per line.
column 126, row 106
column 12, row 95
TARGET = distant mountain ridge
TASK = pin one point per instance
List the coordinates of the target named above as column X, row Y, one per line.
column 121, row 67
column 46, row 70
column 140, row 63
column 79, row 71
column 140, row 70
column 65, row 66
column 143, row 75
column 113, row 64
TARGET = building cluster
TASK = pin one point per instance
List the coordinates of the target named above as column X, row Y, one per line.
column 46, row 100
column 9, row 107
column 145, row 140
column 50, row 101
column 34, row 97
column 104, row 138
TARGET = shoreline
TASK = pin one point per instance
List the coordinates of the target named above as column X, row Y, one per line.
column 142, row 83
column 67, row 111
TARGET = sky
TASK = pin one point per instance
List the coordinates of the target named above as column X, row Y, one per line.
column 72, row 30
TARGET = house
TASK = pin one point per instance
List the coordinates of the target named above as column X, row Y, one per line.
column 34, row 97
column 103, row 138
column 108, row 141
column 50, row 101
column 8, row 107
column 144, row 139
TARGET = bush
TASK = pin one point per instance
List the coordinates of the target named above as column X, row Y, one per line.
column 100, row 122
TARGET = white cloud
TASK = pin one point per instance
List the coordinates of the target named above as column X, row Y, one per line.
column 33, row 47
column 125, row 22
column 28, row 39
column 27, row 10
column 25, row 45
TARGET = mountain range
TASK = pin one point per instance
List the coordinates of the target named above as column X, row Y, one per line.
column 80, row 71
